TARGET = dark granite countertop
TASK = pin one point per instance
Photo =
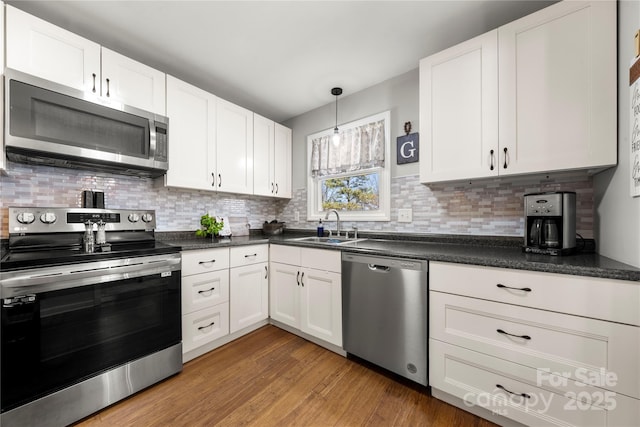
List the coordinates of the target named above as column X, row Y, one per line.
column 189, row 241
column 474, row 250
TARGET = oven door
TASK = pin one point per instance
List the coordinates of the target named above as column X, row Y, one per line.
column 58, row 334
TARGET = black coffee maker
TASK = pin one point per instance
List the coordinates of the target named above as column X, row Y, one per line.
column 550, row 223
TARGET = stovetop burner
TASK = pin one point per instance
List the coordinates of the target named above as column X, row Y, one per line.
column 42, row 237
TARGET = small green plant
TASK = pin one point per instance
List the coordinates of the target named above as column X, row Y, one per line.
column 210, row 226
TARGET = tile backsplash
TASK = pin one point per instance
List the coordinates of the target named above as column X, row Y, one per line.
column 176, row 209
column 492, row 208
column 483, row 208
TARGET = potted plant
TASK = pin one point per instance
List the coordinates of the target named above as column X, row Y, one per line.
column 210, row 226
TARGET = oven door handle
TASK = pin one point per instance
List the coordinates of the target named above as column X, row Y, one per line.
column 47, row 279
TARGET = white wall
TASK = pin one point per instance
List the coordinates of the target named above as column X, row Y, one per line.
column 399, row 94
column 617, row 217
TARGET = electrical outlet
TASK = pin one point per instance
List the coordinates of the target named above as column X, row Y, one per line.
column 296, row 216
column 404, row 215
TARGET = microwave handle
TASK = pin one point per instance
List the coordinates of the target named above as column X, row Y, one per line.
column 152, row 139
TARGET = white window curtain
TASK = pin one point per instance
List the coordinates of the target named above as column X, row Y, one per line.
column 360, row 147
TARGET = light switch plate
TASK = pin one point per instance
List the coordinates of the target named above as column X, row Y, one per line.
column 405, row 215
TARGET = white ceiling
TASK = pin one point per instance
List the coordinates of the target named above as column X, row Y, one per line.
column 280, row 58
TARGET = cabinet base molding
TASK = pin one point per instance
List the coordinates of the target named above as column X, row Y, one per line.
column 298, row 332
column 197, row 352
column 475, row 410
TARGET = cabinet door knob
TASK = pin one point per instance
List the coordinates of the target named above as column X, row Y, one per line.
column 525, row 337
column 525, row 395
column 208, row 326
column 501, row 286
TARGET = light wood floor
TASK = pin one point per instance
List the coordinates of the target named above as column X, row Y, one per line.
column 273, row 378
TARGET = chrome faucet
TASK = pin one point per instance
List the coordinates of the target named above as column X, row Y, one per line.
column 337, row 221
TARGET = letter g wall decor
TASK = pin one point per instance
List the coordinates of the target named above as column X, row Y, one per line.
column 407, row 146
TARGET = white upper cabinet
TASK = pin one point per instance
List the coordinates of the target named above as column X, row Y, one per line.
column 459, row 111
column 132, row 82
column 272, row 158
column 263, row 146
column 192, row 136
column 39, row 48
column 282, row 161
column 44, row 50
column 234, row 139
column 539, row 96
column 558, row 89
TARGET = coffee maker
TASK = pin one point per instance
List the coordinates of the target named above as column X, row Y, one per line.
column 550, row 223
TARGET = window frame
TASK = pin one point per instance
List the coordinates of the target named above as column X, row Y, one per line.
column 314, row 192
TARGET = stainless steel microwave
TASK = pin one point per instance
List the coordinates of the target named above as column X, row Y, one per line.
column 51, row 124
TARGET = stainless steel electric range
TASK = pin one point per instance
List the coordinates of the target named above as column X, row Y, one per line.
column 84, row 326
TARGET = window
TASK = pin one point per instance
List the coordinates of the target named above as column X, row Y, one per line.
column 352, row 177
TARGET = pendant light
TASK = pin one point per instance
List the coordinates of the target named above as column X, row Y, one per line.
column 336, row 91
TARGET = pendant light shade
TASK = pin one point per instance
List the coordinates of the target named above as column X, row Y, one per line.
column 336, row 91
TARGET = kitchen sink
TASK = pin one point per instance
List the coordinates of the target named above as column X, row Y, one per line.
column 331, row 240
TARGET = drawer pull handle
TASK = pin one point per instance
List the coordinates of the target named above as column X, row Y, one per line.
column 209, row 291
column 525, row 395
column 501, row 286
column 250, row 255
column 526, row 337
column 207, row 262
column 208, row 326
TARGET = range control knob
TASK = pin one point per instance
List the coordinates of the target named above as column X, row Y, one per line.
column 26, row 217
column 133, row 217
column 48, row 218
column 147, row 217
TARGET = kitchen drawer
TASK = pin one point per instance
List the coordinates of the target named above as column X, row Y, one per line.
column 204, row 290
column 245, row 255
column 202, row 261
column 606, row 299
column 284, row 254
column 321, row 259
column 483, row 380
column 578, row 347
column 204, row 326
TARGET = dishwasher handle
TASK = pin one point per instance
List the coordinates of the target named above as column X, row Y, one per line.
column 379, row 268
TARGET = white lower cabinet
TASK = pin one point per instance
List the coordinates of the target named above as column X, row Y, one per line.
column 249, row 283
column 225, row 294
column 205, row 297
column 306, row 291
column 514, row 343
column 525, row 394
column 204, row 326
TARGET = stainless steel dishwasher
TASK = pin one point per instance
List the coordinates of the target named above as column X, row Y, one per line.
column 385, row 313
